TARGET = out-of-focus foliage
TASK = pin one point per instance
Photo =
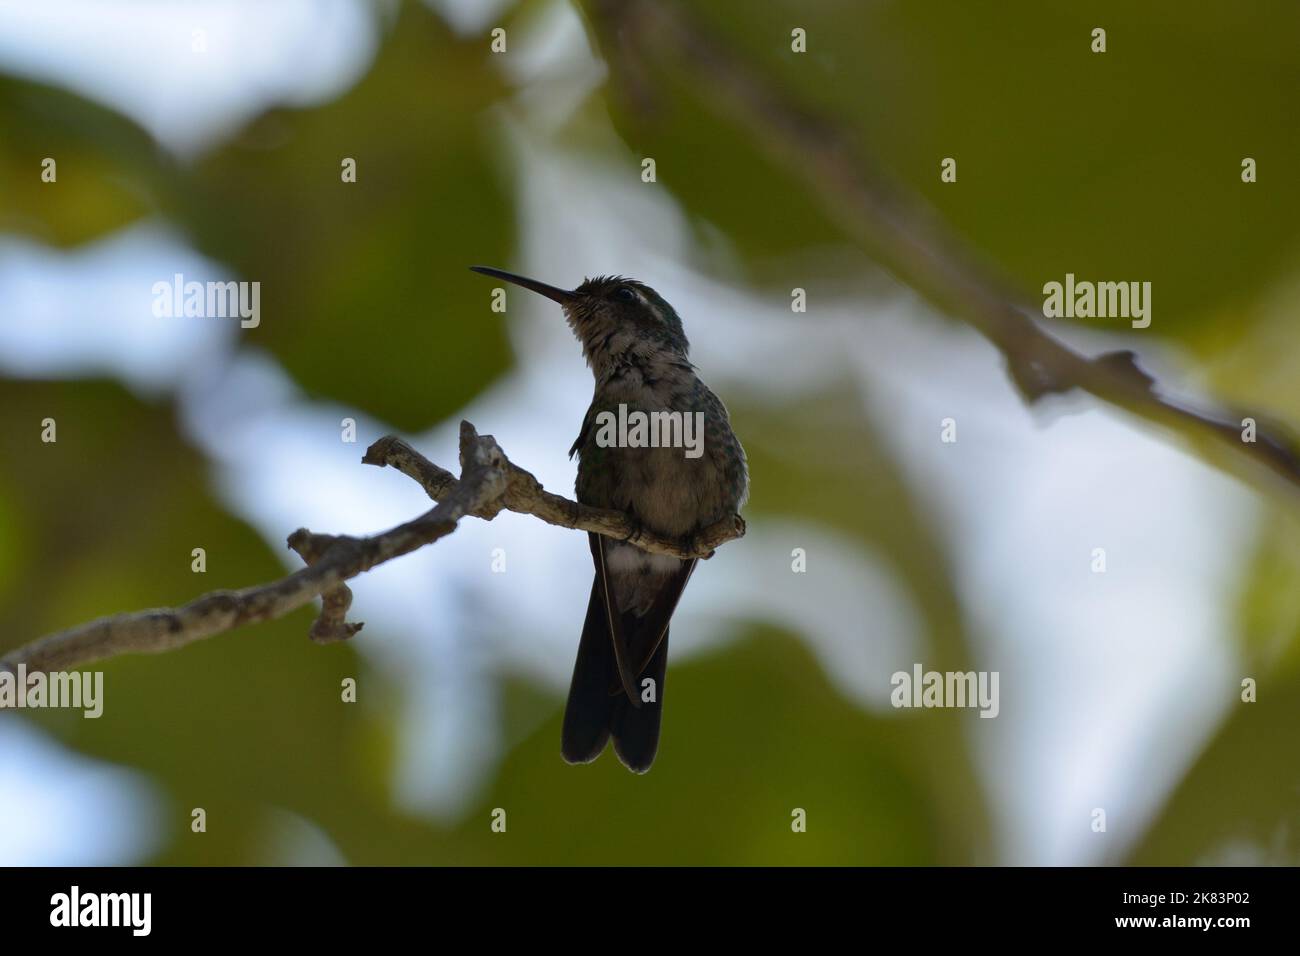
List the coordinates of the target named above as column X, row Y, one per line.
column 1121, row 165
column 1231, row 808
column 347, row 269
column 109, row 170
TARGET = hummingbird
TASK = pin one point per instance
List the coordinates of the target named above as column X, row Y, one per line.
column 634, row 343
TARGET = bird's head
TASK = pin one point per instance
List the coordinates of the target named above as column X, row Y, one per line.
column 612, row 315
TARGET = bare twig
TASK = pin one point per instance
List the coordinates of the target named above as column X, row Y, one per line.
column 902, row 233
column 524, row 494
column 331, row 625
column 489, row 483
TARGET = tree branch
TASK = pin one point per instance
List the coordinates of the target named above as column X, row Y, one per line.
column 524, row 494
column 899, row 229
column 489, row 483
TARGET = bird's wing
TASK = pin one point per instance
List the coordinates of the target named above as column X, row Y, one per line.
column 581, row 440
column 646, row 633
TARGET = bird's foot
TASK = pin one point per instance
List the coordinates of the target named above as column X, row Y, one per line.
column 636, row 530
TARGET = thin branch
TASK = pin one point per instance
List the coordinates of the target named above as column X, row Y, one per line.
column 900, row 230
column 489, row 483
column 525, row 495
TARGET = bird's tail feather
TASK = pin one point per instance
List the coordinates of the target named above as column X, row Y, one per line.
column 590, row 707
column 636, row 729
column 594, row 712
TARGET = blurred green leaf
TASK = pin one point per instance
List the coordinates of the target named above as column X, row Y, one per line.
column 751, row 734
column 1238, row 804
column 1120, row 166
column 861, row 494
column 366, row 297
column 109, row 171
column 235, row 725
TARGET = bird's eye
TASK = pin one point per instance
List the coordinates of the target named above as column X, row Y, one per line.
column 624, row 294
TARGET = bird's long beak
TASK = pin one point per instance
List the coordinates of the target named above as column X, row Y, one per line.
column 561, row 296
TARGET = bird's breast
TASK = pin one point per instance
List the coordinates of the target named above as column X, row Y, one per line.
column 648, row 452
